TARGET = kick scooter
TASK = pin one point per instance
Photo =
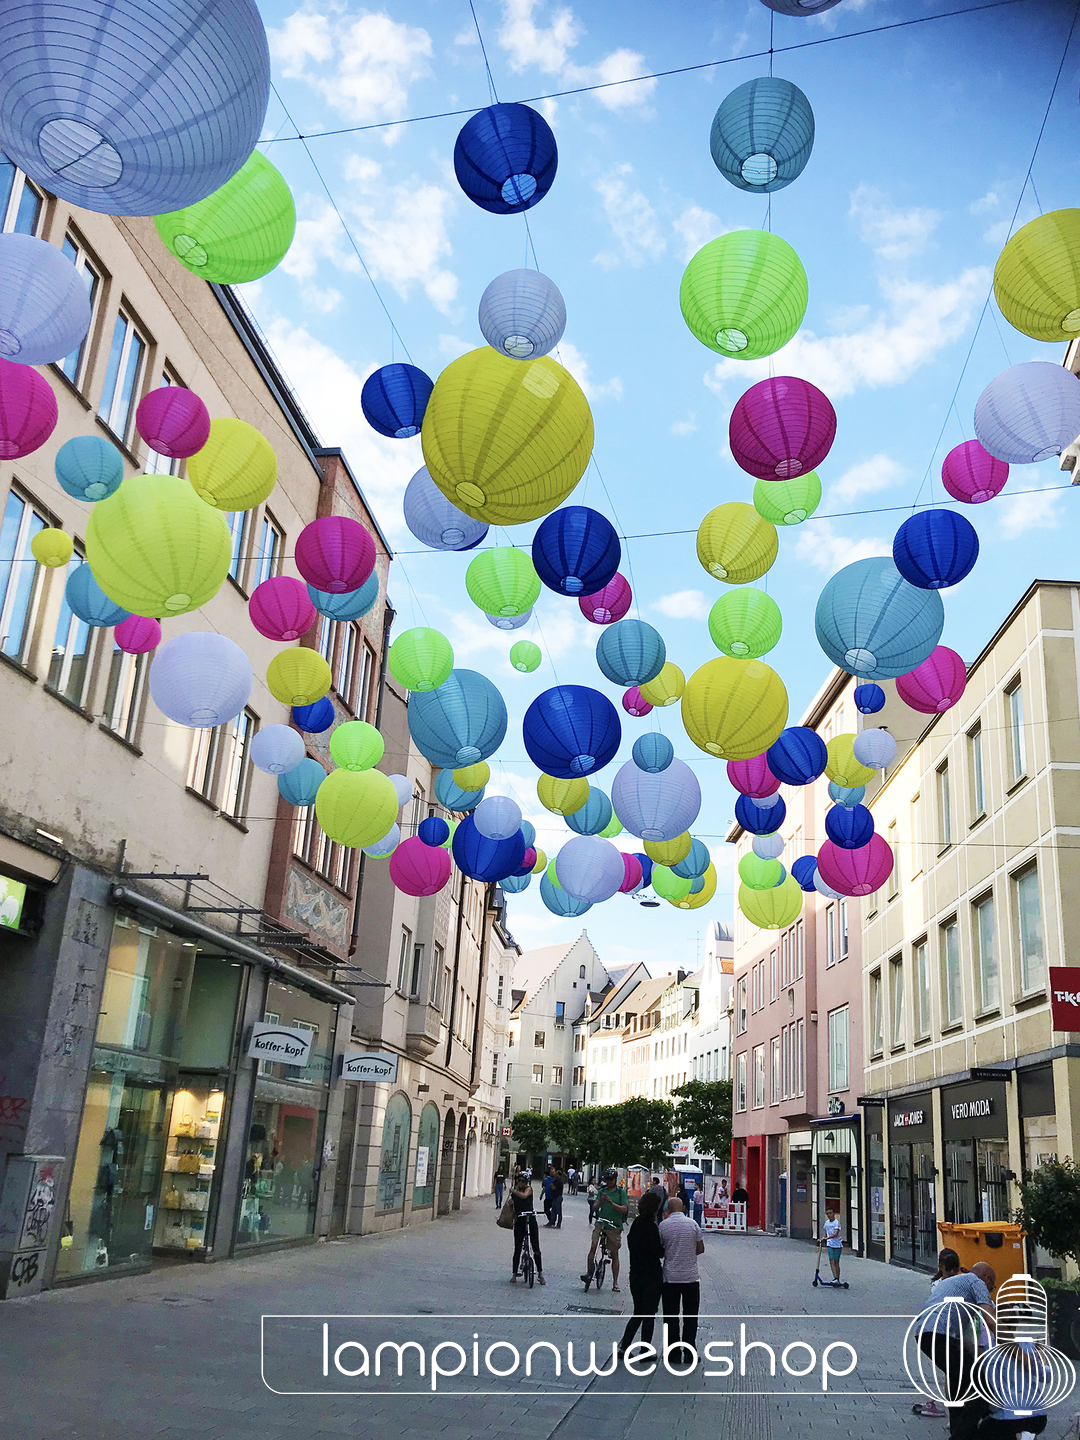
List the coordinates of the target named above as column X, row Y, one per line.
column 828, row 1284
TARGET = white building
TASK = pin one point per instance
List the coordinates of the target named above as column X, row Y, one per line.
column 710, row 1040
column 602, row 1028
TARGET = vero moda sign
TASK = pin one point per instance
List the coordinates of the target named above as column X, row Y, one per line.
column 1065, row 996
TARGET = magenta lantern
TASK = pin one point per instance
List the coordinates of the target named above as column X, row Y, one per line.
column 634, row 874
column 281, row 608
column 634, row 703
column 335, row 554
column 972, row 474
column 528, row 859
column 856, row 872
column 27, row 410
column 138, row 635
column 609, row 604
column 781, row 427
column 936, row 685
column 173, row 421
column 753, row 777
column 419, row 869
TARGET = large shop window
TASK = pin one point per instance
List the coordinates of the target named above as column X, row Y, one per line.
column 873, row 1117
column 427, row 1152
column 394, row 1157
column 911, row 1188
column 973, row 1123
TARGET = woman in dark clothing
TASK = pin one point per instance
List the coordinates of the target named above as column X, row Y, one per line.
column 646, row 1273
column 525, row 1221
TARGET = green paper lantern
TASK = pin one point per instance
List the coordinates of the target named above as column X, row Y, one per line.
column 668, row 885
column 1037, row 277
column 240, row 232
column 772, row 909
column 551, row 872
column 745, row 623
column 356, row 745
column 356, row 808
column 525, row 656
column 758, row 873
column 421, row 659
column 669, row 852
column 236, row 469
column 734, row 709
column 611, row 829
column 744, row 294
column 788, row 502
column 448, row 843
column 735, row 544
column 503, row 581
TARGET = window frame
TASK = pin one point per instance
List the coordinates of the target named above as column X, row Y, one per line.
column 237, row 772
column 977, row 772
column 204, row 761
column 839, row 1052
column 944, row 797
column 949, row 929
column 109, row 415
column 986, row 972
column 20, row 564
column 123, row 716
column 897, row 1006
column 920, row 976
column 759, row 1077
column 1014, row 701
column 740, row 1083
column 60, row 683
column 84, row 262
column 876, row 1017
column 268, row 563
column 774, row 1071
column 1016, row 880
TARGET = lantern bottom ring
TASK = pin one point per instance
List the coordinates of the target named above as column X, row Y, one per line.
column 731, row 340
column 79, row 152
column 10, row 345
column 179, row 601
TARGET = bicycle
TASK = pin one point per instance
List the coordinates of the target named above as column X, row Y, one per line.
column 603, row 1260
column 527, row 1266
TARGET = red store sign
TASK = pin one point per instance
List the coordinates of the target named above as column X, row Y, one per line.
column 1065, row 996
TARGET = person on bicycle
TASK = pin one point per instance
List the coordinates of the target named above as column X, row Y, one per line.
column 525, row 1223
column 610, row 1214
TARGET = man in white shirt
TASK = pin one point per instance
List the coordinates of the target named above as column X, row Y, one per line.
column 683, row 1243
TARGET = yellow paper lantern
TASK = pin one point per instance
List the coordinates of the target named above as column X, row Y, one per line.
column 562, row 797
column 665, row 688
column 735, row 544
column 300, row 677
column 52, row 548
column 668, row 852
column 472, row 777
column 772, row 909
column 1037, row 279
column 236, row 469
column 541, row 862
column 356, row 807
column 842, row 766
column 703, row 896
column 734, row 709
column 506, row 440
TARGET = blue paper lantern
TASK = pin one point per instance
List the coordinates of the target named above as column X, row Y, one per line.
column 450, row 794
column 652, row 752
column 571, row 730
column 804, row 869
column 559, row 902
column 576, row 551
column 314, row 719
column 843, row 795
column 594, row 815
column 631, row 652
column 300, row 786
column 394, row 399
column 350, row 606
column 656, row 807
column 505, row 158
column 758, row 820
column 433, row 831
column 850, row 827
column 460, row 722
column 85, row 598
column 128, row 108
column 276, row 749
column 798, row 756
column 646, row 867
column 44, row 302
column 935, row 549
column 869, row 699
column 522, row 314
column 694, row 865
column 483, row 859
column 528, row 865
column 1028, row 413
column 434, row 521
column 589, row 868
column 528, row 831
column 89, row 468
column 762, row 135
column 872, row 622
column 515, row 884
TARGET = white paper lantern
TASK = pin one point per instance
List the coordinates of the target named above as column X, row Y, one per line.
column 509, row 622
column 589, row 868
column 403, row 785
column 434, row 521
column 386, row 846
column 823, row 889
column 1028, row 413
column 768, row 847
column 200, row 679
column 497, row 817
column 875, row 749
column 656, row 806
column 44, row 302
column 277, row 749
column 522, row 314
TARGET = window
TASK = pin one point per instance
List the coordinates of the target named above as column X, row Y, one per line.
column 367, row 671
column 842, row 928
column 123, row 379
column 499, row 995
column 554, row 1105
column 989, row 995
column 346, row 665
column 740, row 1006
column 325, row 642
column 303, row 832
column 506, row 1107
column 1017, row 749
column 896, row 995
column 774, row 1071
column 538, row 1074
column 894, row 877
column 538, row 1039
column 799, row 950
column 509, row 1077
column 952, row 995
column 69, row 669
column 271, row 547
column 560, row 1014
column 876, row 1034
column 417, row 965
column 537, row 1106
column 495, row 1069
column 403, row 958
column 759, row 1076
column 447, row 989
column 773, row 975
column 204, row 754
column 922, row 988
column 72, row 365
column 945, row 806
column 1029, row 920
column 830, row 936
column 839, row 1076
column 123, row 695
column 156, row 464
column 592, row 1089
column 740, row 1081
column 581, row 972
column 978, row 786
column 800, row 1058
column 785, row 958
column 436, row 972
column 237, row 522
column 18, row 574
column 556, row 1074
column 240, row 736
column 20, row 201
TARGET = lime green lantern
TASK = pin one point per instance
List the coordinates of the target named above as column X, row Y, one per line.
column 744, row 294
column 525, row 656
column 734, row 709
column 52, row 548
column 1037, row 277
column 356, row 808
column 356, row 745
column 421, row 659
column 236, row 469
column 735, row 544
column 472, row 777
column 788, row 502
column 300, row 677
column 506, row 440
column 240, row 232
column 156, row 548
column 611, row 829
column 842, row 765
column 772, row 909
column 668, row 885
column 669, row 852
column 694, row 901
column 448, row 843
column 541, row 862
column 745, row 623
column 503, row 581
column 551, row 872
column 562, row 797
column 665, row 688
column 759, row 873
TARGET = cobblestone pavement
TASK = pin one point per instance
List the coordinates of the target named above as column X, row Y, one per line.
column 186, row 1354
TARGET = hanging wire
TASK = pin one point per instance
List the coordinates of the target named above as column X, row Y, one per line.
column 483, row 51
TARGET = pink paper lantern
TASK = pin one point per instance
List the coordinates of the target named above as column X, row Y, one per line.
column 281, row 608
column 611, row 603
column 856, row 872
column 138, row 635
column 173, row 421
column 781, row 427
column 633, row 876
column 335, row 554
column 753, row 777
column 528, row 859
column 936, row 685
column 972, row 474
column 634, row 703
column 27, row 410
column 419, row 869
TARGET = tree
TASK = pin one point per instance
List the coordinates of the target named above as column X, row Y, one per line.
column 704, row 1115
column 530, row 1132
column 1050, row 1208
column 562, row 1128
column 636, row 1132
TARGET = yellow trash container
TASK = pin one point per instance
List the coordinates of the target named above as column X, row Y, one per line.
column 999, row 1243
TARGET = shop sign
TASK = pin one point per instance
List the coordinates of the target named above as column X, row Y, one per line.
column 1065, row 996
column 422, row 1154
column 972, row 1109
column 12, row 899
column 681, row 1147
column 507, row 1131
column 279, row 1044
column 908, row 1117
column 369, row 1065
column 836, row 1105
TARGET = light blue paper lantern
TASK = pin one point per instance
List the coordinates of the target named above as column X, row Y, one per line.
column 86, row 599
column 522, row 314
column 387, row 845
column 515, row 884
column 528, row 833
column 277, row 749
column 89, row 468
column 845, row 795
column 200, row 679
column 461, row 722
column 403, row 788
column 300, row 786
column 561, row 902
column 762, row 135
column 656, row 807
column 871, row 622
column 826, row 890
column 768, row 847
column 653, row 752
column 450, row 794
column 594, row 815
column 1029, row 413
column 875, row 749
column 434, row 521
column 497, row 817
column 694, row 865
column 590, row 869
column 631, row 652
column 350, row 606
column 44, row 302
column 128, row 108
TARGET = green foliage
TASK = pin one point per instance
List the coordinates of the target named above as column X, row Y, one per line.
column 530, row 1132
column 704, row 1115
column 561, row 1128
column 637, row 1132
column 1050, row 1208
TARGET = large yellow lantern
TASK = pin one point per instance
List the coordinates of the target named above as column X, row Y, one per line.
column 300, row 677
column 668, row 852
column 772, row 909
column 735, row 544
column 356, row 807
column 734, row 709
column 842, row 765
column 665, row 688
column 236, row 469
column 562, row 797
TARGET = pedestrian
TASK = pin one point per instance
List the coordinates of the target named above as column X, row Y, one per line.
column 525, row 1223
column 591, row 1193
column 834, row 1241
column 683, row 1243
column 684, row 1197
column 659, row 1189
column 555, row 1202
column 571, row 1180
column 545, row 1185
column 697, row 1201
column 646, row 1271
column 739, row 1196
column 944, row 1339
column 500, row 1184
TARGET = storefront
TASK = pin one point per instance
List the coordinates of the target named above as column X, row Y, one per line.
column 776, row 1197
column 975, row 1135
column 912, row 1177
column 835, row 1170
column 874, row 1144
column 1039, row 1144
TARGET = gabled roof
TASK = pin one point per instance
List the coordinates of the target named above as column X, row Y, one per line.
column 533, row 967
column 646, row 996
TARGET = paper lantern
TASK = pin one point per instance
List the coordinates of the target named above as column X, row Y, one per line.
column 869, row 699
column 666, row 688
column 800, row 7
column 85, row 598
column 632, row 875
column 28, row 417
column 505, row 158
column 394, row 399
column 936, row 685
column 576, row 551
column 846, row 794
column 349, row 606
column 497, row 817
column 173, row 421
column 528, row 862
column 934, row 549
column 768, row 847
column 873, row 623
column 772, row 909
column 631, row 652
column 670, row 852
column 419, row 869
column 694, row 865
column 972, row 475
column 462, row 721
column 656, row 807
column 759, row 819
column 403, row 787
column 421, row 659
column 562, row 796
column 590, row 868
column 509, row 622
column 753, row 777
column 200, row 679
column 316, row 718
column 842, row 765
column 301, row 785
column 434, row 520
column 559, row 902
column 52, row 548
column 528, row 834
column 132, row 110
column 762, row 135
column 734, row 708
column 787, row 502
column 1029, row 413
column 484, row 859
column 87, row 466
column 238, row 233
column 522, row 314
column 804, row 869
column 571, row 730
column 276, row 749
column 646, row 866
column 450, row 794
column 875, row 748
column 635, row 704
column 592, row 817
column 502, row 581
column 385, row 847
column 759, row 874
column 849, row 826
column 525, row 656
column 609, row 604
column 611, row 829
column 515, row 884
column 781, row 427
column 799, row 756
column 702, row 891
column 138, row 635
column 433, row 831
column 356, row 807
column 745, row 623
column 653, row 753
column 744, row 294
column 766, row 802
column 281, row 609
column 44, row 301
column 356, row 745
column 335, row 554
column 822, row 889
column 299, row 677
column 668, row 885
column 856, row 872
column 506, row 440
column 541, row 862
column 734, row 544
column 1036, row 280
column 156, row 548
column 472, row 777
column 236, row 469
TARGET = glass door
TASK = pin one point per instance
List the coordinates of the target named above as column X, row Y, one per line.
column 926, row 1232
column 903, row 1205
column 992, row 1158
column 961, row 1199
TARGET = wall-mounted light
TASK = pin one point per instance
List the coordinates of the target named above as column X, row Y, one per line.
column 813, row 1017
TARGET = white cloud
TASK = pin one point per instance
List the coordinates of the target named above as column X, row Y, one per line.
column 820, row 545
column 866, row 478
column 683, row 605
column 695, row 227
column 1019, row 511
column 685, row 427
column 558, row 632
column 451, row 346
column 363, row 65
column 622, row 65
column 894, row 234
column 989, row 201
column 571, row 358
column 528, row 41
column 631, row 217
column 403, row 231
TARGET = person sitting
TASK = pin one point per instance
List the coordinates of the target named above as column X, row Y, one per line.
column 944, row 1340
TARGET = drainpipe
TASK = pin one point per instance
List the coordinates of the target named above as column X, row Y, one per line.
column 453, row 977
column 388, row 620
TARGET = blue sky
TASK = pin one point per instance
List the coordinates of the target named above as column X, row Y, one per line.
column 924, row 137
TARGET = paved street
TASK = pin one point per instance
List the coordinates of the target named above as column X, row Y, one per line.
column 177, row 1354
